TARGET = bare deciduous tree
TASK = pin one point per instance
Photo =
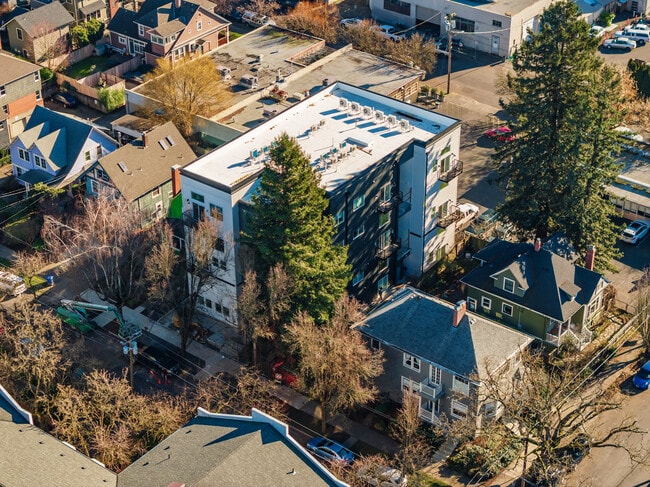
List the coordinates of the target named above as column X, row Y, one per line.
column 48, row 43
column 252, row 316
column 643, row 308
column 184, row 89
column 415, row 51
column 319, row 19
column 28, row 265
column 336, row 366
column 262, row 7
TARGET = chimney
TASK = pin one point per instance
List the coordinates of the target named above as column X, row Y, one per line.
column 176, row 179
column 177, row 3
column 145, row 139
column 590, row 257
column 538, row 244
column 459, row 313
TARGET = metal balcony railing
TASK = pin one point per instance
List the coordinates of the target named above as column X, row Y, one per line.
column 387, row 250
column 453, row 172
column 429, row 390
column 449, row 219
column 386, row 206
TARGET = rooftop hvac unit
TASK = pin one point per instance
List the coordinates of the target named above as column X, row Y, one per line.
column 379, row 116
column 343, row 103
column 366, row 112
column 391, row 119
column 354, row 106
column 322, row 122
column 254, row 153
column 404, row 125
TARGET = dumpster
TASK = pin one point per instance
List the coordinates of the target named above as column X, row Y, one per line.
column 50, row 280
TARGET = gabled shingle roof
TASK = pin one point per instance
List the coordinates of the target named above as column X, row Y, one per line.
column 45, row 18
column 556, row 288
column 147, row 167
column 421, row 325
column 123, row 23
column 14, row 68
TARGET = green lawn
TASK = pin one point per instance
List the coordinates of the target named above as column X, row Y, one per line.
column 88, row 66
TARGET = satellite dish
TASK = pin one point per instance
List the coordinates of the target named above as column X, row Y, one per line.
column 379, row 116
column 343, row 103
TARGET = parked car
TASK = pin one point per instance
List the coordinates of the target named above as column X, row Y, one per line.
column 619, row 43
column 391, row 33
column 641, row 379
column 640, row 36
column 282, row 374
column 256, row 20
column 597, row 31
column 500, row 134
column 382, row 476
column 443, row 43
column 635, row 231
column 330, row 451
column 352, row 22
column 640, row 25
column 68, row 100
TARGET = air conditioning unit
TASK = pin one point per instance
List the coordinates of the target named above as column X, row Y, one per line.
column 391, row 119
column 343, row 103
column 367, row 112
column 354, row 106
column 404, row 125
column 379, row 116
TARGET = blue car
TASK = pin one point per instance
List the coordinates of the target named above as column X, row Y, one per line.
column 330, row 451
column 642, row 378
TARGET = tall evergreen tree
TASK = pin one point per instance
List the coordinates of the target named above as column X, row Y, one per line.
column 289, row 225
column 565, row 103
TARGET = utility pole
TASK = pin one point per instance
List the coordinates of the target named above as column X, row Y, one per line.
column 450, row 23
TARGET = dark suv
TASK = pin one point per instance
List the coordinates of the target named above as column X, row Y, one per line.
column 158, row 360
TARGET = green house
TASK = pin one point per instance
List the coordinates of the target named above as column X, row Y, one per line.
column 535, row 290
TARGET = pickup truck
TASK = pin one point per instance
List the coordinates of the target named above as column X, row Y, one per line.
column 390, row 32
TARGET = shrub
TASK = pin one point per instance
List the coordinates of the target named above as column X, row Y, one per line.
column 486, row 456
column 606, row 18
column 111, row 99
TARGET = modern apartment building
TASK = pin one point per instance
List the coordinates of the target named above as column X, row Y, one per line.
column 390, row 171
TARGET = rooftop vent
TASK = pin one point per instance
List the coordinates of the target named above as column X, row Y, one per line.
column 343, row 103
column 354, row 106
column 367, row 112
column 122, row 166
column 379, row 116
column 391, row 120
column 404, row 125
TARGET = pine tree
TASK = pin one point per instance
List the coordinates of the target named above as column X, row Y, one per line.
column 289, row 225
column 565, row 103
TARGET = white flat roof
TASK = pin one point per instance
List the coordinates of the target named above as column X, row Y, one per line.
column 340, row 141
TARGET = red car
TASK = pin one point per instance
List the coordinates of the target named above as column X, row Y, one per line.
column 283, row 374
column 500, row 134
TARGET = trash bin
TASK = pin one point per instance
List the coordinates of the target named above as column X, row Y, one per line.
column 50, row 280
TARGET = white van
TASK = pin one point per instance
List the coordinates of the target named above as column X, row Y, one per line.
column 11, row 284
column 640, row 36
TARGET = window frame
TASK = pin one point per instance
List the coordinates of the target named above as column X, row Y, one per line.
column 3, row 90
column 471, row 304
column 411, row 362
column 23, row 155
column 359, row 232
column 358, row 202
column 19, row 33
column 486, row 303
column 121, row 40
column 461, row 407
column 503, row 309
column 216, row 212
column 463, row 387
column 507, row 280
column 38, row 160
column 156, row 192
column 357, row 278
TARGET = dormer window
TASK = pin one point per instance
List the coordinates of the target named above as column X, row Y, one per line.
column 508, row 285
column 141, row 30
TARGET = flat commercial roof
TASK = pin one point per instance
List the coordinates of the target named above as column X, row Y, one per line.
column 633, row 184
column 343, row 129
column 353, row 67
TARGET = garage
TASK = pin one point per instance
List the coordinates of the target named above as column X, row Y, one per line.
column 427, row 18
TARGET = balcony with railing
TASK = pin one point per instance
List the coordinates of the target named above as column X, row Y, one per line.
column 449, row 219
column 581, row 336
column 385, row 206
column 431, row 391
column 388, row 249
column 453, row 172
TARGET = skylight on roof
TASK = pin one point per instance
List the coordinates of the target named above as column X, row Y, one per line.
column 170, row 141
column 162, row 144
column 122, row 166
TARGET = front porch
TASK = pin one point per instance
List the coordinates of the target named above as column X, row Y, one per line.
column 560, row 332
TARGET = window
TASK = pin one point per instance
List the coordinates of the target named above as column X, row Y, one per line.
column 208, row 303
column 461, row 385
column 121, row 40
column 200, row 300
column 397, row 6
column 358, row 202
column 220, row 245
column 138, row 48
column 23, row 154
column 94, row 186
column 221, row 263
column 100, row 152
column 5, row 109
column 382, row 264
column 226, row 311
column 199, row 25
column 157, row 40
column 458, row 409
column 198, row 211
column 496, row 23
column 506, row 309
column 409, row 385
column 384, row 218
column 19, row 171
column 198, row 197
column 375, row 344
column 140, row 30
column 87, row 155
column 218, row 308
column 411, row 362
column 19, row 34
column 39, row 161
column 37, row 76
column 157, row 213
column 465, row 25
column 3, row 124
column 155, row 193
column 383, row 283
column 436, row 375
column 486, row 302
column 443, row 209
column 100, row 174
column 216, row 212
column 385, row 193
column 445, row 164
column 471, row 304
column 357, row 278
column 508, row 285
column 3, row 90
column 339, row 217
column 359, row 231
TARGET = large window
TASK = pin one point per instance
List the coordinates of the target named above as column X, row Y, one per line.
column 23, row 154
column 465, row 25
column 508, row 285
column 39, row 161
column 458, row 409
column 461, row 385
column 436, row 375
column 157, row 40
column 506, row 309
column 216, row 212
column 397, row 6
column 411, row 362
